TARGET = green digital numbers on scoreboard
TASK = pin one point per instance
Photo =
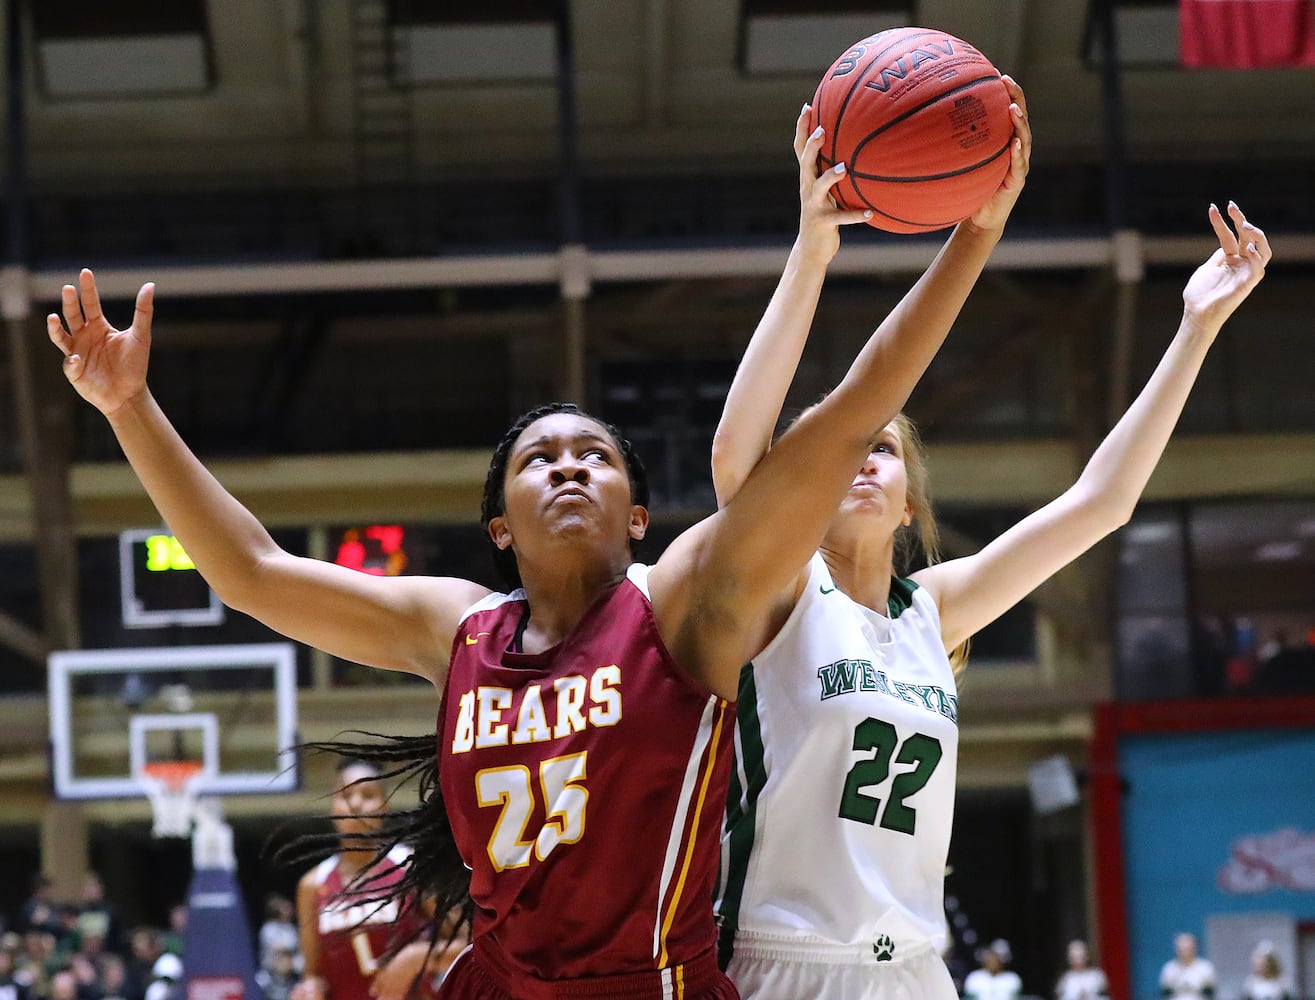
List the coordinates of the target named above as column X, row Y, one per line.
column 160, row 583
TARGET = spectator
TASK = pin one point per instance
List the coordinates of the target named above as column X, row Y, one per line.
column 1266, row 981
column 113, row 978
column 64, row 986
column 277, row 979
column 37, row 961
column 10, row 988
column 1187, row 975
column 174, row 939
column 86, row 975
column 92, row 947
column 39, row 912
column 144, row 950
column 67, row 938
column 278, row 932
column 166, row 978
column 1081, row 981
column 993, row 981
column 97, row 917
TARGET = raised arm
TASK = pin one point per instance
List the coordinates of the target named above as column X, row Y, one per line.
column 763, row 377
column 400, row 623
column 975, row 590
column 913, row 331
column 718, row 583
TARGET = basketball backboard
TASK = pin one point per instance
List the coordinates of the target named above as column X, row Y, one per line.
column 231, row 710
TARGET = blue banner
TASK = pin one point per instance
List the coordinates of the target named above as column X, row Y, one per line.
column 1214, row 824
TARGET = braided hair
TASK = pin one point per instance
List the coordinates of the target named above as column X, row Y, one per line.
column 434, row 878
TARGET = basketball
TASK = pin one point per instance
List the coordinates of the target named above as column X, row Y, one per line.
column 921, row 121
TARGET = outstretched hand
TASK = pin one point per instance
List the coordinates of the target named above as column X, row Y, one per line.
column 819, row 218
column 105, row 365
column 1224, row 281
column 994, row 214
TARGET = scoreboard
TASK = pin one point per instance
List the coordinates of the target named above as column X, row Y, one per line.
column 160, row 585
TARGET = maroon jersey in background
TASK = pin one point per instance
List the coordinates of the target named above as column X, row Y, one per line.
column 584, row 786
column 357, row 936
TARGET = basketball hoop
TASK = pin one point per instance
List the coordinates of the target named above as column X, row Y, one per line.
column 172, row 786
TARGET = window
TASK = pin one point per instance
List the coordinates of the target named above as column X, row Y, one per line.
column 806, row 36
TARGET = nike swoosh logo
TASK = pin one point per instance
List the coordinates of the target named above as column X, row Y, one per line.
column 824, row 590
column 472, row 639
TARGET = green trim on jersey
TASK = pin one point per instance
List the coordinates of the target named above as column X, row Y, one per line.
column 901, row 596
column 741, row 819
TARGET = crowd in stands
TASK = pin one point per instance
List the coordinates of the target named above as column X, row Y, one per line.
column 80, row 950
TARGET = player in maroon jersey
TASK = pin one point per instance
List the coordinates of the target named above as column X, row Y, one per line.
column 586, row 718
column 354, row 944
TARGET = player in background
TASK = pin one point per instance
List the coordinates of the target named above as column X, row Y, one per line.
column 1266, row 980
column 847, row 721
column 993, row 981
column 1081, row 980
column 1187, row 976
column 354, row 944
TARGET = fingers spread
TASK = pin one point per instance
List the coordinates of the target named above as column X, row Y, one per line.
column 90, row 297
column 68, row 302
column 58, row 335
column 801, row 131
column 141, row 318
column 808, row 157
column 829, row 179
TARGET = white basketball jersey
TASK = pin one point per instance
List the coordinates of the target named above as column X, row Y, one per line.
column 840, row 806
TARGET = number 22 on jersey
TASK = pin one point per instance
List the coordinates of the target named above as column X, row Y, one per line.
column 882, row 739
column 564, row 797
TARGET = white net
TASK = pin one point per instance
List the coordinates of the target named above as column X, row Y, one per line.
column 172, row 788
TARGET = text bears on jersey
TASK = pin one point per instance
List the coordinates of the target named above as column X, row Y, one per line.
column 848, row 676
column 577, row 702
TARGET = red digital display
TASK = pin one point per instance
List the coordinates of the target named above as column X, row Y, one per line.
column 377, row 549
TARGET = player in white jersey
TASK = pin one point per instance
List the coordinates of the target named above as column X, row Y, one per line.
column 839, row 815
column 1266, row 980
column 993, row 981
column 1081, row 980
column 1187, row 976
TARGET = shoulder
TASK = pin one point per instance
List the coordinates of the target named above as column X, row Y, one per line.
column 398, row 854
column 318, row 874
column 487, row 600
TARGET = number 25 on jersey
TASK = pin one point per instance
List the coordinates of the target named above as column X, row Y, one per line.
column 561, row 784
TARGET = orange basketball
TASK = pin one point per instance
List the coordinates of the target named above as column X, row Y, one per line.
column 921, row 121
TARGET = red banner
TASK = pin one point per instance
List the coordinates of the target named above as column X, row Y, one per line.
column 1246, row 34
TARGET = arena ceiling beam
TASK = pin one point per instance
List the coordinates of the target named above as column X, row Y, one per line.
column 444, row 486
column 604, row 266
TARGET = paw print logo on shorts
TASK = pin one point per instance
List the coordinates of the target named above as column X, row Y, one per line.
column 884, row 948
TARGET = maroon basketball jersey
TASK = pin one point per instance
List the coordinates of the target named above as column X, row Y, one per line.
column 357, row 936
column 584, row 786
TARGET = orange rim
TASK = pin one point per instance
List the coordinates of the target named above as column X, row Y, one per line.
column 172, row 773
